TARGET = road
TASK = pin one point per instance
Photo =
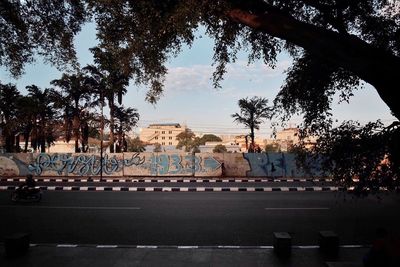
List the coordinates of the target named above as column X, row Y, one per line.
column 197, row 218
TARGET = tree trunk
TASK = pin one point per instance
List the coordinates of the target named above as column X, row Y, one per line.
column 17, row 142
column 120, row 142
column 75, row 125
column 373, row 65
column 252, row 139
column 42, row 137
column 26, row 137
column 112, row 108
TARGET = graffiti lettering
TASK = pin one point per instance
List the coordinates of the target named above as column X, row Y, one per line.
column 80, row 164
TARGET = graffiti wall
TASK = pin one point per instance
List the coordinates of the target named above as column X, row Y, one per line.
column 153, row 164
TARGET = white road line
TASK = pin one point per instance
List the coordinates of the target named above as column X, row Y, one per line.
column 106, row 246
column 235, row 247
column 314, row 208
column 140, row 246
column 66, row 246
column 73, row 207
column 187, row 247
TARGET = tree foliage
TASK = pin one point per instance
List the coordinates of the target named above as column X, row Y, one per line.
column 220, row 149
column 46, row 28
column 253, row 111
column 185, row 140
column 209, row 138
column 336, row 45
column 135, row 145
column 364, row 157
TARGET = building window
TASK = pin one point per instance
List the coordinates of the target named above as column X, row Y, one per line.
column 170, row 132
column 156, row 138
column 170, row 143
column 163, row 143
column 163, row 137
column 163, row 132
column 170, row 138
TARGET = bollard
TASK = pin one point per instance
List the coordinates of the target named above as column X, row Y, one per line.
column 282, row 243
column 16, row 244
column 328, row 243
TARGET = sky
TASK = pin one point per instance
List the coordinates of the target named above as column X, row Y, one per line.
column 189, row 97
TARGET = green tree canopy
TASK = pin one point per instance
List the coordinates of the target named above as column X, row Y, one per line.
column 220, row 149
column 135, row 145
column 185, row 140
column 46, row 28
column 209, row 138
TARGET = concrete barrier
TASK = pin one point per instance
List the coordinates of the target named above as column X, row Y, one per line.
column 328, row 243
column 282, row 243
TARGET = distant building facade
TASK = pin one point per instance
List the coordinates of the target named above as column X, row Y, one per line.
column 164, row 134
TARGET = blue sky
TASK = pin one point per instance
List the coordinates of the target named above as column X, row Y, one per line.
column 189, row 97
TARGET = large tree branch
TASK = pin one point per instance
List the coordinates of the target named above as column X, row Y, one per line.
column 373, row 65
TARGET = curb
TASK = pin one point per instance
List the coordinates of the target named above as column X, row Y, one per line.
column 67, row 180
column 182, row 189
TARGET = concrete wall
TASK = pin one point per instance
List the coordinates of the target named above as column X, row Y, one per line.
column 153, row 164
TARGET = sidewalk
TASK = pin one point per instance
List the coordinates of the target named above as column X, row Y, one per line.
column 48, row 256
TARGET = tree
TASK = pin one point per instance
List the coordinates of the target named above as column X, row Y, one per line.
column 126, row 119
column 185, row 139
column 335, row 44
column 73, row 99
column 272, row 148
column 110, row 77
column 209, row 138
column 357, row 156
column 220, row 149
column 46, row 28
column 44, row 117
column 8, row 114
column 135, row 145
column 26, row 119
column 157, row 148
column 252, row 113
column 355, row 40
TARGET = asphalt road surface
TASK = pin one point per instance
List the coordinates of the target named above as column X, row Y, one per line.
column 197, row 218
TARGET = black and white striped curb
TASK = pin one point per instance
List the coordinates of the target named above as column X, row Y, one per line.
column 179, row 247
column 182, row 189
column 111, row 180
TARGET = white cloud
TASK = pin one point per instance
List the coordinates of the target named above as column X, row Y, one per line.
column 198, row 77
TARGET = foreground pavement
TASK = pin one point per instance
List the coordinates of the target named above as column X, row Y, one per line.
column 115, row 257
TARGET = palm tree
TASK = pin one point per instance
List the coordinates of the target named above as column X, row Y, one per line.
column 252, row 113
column 26, row 117
column 74, row 99
column 114, row 77
column 8, row 114
column 43, row 111
column 126, row 119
